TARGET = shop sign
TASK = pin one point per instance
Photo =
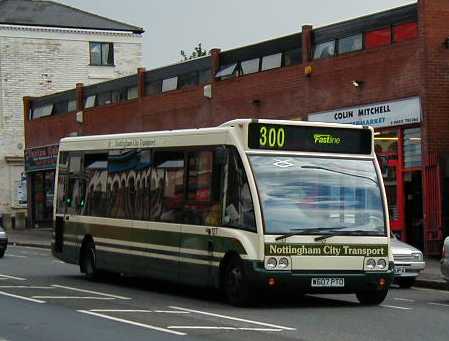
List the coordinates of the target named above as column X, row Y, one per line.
column 385, row 114
column 41, row 158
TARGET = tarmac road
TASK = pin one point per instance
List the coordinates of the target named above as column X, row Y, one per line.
column 44, row 299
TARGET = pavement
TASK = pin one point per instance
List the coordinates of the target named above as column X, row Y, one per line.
column 41, row 237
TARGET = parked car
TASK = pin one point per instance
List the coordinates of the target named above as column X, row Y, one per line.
column 3, row 242
column 408, row 262
column 445, row 260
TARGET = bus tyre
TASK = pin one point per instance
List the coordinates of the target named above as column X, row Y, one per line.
column 88, row 265
column 371, row 297
column 235, row 284
column 406, row 282
column 2, row 253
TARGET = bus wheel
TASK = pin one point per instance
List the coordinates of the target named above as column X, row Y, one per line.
column 88, row 261
column 2, row 252
column 235, row 284
column 371, row 297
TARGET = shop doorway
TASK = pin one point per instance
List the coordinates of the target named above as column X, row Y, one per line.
column 414, row 209
column 42, row 197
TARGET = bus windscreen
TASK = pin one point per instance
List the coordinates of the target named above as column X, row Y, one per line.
column 309, row 139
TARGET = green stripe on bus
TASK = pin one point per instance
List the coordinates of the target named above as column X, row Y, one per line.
column 156, row 237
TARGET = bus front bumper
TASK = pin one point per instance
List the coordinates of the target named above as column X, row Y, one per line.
column 319, row 282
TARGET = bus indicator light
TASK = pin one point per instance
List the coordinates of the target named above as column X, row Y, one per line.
column 271, row 282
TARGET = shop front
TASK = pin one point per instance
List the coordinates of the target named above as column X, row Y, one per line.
column 40, row 165
column 399, row 151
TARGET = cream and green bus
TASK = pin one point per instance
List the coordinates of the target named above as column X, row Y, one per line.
column 246, row 206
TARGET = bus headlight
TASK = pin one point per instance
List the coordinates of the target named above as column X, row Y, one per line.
column 271, row 263
column 381, row 264
column 370, row 264
column 283, row 263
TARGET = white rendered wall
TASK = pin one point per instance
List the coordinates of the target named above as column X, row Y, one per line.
column 41, row 61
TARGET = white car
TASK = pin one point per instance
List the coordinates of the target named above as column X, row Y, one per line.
column 3, row 242
column 445, row 260
column 408, row 262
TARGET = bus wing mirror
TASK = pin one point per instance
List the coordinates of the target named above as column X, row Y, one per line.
column 383, row 164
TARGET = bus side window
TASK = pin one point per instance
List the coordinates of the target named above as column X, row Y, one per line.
column 239, row 209
column 95, row 171
column 203, row 194
column 63, row 182
column 167, row 186
column 76, row 189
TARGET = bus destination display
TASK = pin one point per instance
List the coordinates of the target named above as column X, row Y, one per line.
column 309, row 139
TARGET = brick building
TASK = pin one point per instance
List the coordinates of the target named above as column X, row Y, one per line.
column 387, row 69
column 47, row 47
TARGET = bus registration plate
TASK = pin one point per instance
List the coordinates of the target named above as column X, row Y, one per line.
column 331, row 282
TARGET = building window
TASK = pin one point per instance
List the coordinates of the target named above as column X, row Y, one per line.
column 412, row 147
column 132, row 93
column 292, row 57
column 324, row 50
column 101, row 53
column 405, row 32
column 227, row 71
column 250, row 66
column 170, row 84
column 188, row 79
column 71, row 106
column 153, row 88
column 272, row 61
column 350, row 44
column 378, row 38
column 90, row 101
column 42, row 111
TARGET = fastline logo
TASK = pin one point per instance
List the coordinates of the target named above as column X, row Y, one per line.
column 326, row 139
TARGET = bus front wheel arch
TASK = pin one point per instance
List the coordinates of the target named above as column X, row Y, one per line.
column 234, row 280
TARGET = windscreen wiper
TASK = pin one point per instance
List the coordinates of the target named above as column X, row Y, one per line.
column 339, row 172
column 339, row 231
column 297, row 232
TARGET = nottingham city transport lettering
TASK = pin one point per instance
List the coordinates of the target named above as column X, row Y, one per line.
column 326, row 250
column 132, row 143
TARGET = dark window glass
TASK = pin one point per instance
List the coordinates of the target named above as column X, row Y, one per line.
column 153, row 88
column 60, row 108
column 167, row 186
column 350, row 44
column 200, row 176
column 118, row 96
column 77, row 185
column 205, row 76
column 239, row 210
column 96, row 175
column 378, row 38
column 405, row 32
column 204, row 184
column 132, row 93
column 63, row 182
column 71, row 106
column 42, row 111
column 104, row 98
column 188, row 79
column 101, row 53
column 292, row 57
